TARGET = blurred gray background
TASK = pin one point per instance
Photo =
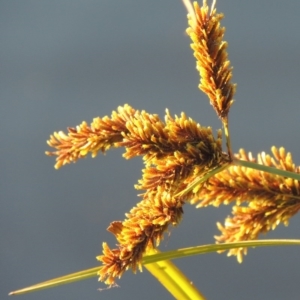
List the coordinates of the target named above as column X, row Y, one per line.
column 62, row 62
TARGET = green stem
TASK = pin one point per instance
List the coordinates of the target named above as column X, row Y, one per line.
column 199, row 181
column 267, row 169
column 93, row 272
column 227, row 135
column 70, row 278
column 203, row 249
column 174, row 280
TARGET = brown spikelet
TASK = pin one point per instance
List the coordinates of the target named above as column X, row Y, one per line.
column 263, row 200
column 140, row 133
column 100, row 136
column 143, row 228
column 210, row 52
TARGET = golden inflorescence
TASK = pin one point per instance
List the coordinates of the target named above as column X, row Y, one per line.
column 176, row 153
column 262, row 200
column 210, row 52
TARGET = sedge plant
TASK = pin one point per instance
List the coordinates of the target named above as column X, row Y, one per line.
column 185, row 163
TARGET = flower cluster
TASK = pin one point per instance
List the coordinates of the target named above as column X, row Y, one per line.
column 262, row 200
column 184, row 162
column 175, row 152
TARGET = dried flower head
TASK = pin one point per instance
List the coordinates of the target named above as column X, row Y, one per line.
column 178, row 153
column 262, row 200
column 139, row 133
column 143, row 228
column 210, row 52
column 175, row 152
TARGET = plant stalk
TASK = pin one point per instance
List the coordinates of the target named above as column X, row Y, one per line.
column 267, row 169
column 150, row 259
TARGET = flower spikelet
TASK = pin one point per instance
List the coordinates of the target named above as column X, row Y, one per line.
column 263, row 200
column 140, row 133
column 102, row 134
column 210, row 52
column 143, row 228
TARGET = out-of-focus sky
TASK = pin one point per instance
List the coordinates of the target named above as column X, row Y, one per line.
column 62, row 62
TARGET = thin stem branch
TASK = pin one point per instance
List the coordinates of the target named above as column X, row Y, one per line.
column 267, row 169
column 201, row 180
column 227, row 135
column 70, row 278
column 204, row 249
column 158, row 257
